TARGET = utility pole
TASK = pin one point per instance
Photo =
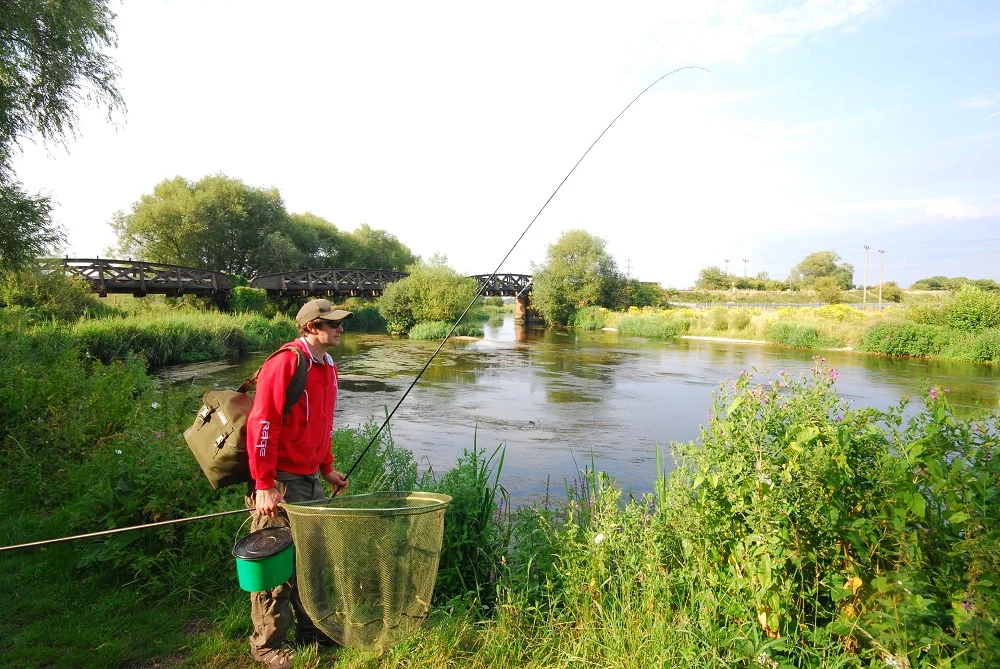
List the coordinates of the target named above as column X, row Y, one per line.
column 628, row 267
column 745, row 261
column 864, row 293
column 881, row 267
column 727, row 266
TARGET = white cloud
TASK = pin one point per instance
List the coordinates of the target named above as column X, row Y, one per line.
column 980, row 101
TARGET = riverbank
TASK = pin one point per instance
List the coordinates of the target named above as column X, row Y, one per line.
column 595, row 573
column 963, row 327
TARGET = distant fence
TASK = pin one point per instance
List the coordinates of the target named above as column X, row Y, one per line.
column 775, row 305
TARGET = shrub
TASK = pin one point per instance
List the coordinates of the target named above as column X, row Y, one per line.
column 245, row 299
column 429, row 293
column 841, row 313
column 649, row 325
column 590, row 318
column 905, row 339
column 983, row 346
column 720, row 318
column 973, row 309
column 44, row 293
column 793, row 334
column 439, row 330
column 739, row 319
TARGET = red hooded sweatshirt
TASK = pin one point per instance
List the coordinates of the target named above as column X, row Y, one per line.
column 299, row 443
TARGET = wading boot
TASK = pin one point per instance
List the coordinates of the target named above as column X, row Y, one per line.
column 274, row 658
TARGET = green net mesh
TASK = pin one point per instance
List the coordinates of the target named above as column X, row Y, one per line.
column 366, row 564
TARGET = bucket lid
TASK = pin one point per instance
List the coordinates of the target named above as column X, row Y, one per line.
column 263, row 543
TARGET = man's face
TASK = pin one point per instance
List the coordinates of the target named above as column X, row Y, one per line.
column 327, row 333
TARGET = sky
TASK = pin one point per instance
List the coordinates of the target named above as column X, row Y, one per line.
column 822, row 125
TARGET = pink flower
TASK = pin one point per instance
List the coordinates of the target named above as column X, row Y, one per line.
column 933, row 393
column 976, row 428
column 947, row 390
column 834, row 375
column 159, row 435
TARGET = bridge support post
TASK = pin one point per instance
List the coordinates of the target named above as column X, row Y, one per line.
column 521, row 307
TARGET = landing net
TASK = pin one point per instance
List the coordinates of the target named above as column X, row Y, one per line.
column 366, row 564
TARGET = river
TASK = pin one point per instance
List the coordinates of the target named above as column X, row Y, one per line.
column 559, row 399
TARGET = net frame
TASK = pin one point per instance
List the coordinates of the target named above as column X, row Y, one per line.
column 366, row 564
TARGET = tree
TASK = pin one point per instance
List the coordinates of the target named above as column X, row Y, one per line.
column 891, row 292
column 713, row 278
column 828, row 289
column 216, row 223
column 578, row 272
column 376, row 249
column 822, row 264
column 51, row 57
column 317, row 242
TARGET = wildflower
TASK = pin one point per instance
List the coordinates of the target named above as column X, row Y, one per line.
column 118, row 451
column 647, row 518
column 834, row 375
column 766, row 660
column 891, row 661
column 155, row 405
column 159, row 435
column 968, row 606
column 977, row 428
column 933, row 393
column 947, row 390
column 599, row 538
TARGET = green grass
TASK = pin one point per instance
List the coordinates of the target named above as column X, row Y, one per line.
column 439, row 330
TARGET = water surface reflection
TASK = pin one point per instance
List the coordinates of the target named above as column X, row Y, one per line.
column 558, row 398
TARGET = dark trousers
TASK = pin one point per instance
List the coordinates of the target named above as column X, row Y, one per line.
column 272, row 610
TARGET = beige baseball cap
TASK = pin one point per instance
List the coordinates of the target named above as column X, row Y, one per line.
column 314, row 309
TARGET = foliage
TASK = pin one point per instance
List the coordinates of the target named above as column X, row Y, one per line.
column 891, row 292
column 905, row 339
column 828, row 290
column 972, row 309
column 439, row 330
column 945, row 283
column 475, row 536
column 590, row 318
column 181, row 337
column 26, row 227
column 822, row 264
column 429, row 293
column 578, row 272
column 45, row 293
column 245, row 298
column 216, row 223
column 367, row 317
column 377, row 249
column 649, row 325
column 739, row 319
column 794, row 334
column 713, row 278
column 51, row 59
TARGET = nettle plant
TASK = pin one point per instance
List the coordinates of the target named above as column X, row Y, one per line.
column 857, row 527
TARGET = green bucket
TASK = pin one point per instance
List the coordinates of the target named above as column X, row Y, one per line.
column 264, row 559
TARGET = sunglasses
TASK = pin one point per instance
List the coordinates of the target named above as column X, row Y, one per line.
column 319, row 323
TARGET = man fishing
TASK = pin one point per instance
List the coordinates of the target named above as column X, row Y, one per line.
column 288, row 457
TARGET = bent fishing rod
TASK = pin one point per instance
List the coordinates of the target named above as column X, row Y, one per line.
column 382, row 427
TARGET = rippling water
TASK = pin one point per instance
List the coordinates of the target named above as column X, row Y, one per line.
column 559, row 399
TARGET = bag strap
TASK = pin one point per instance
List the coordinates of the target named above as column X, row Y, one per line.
column 296, row 386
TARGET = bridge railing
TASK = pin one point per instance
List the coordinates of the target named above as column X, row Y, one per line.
column 503, row 284
column 352, row 282
column 107, row 275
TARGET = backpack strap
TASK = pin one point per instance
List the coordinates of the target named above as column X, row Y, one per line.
column 296, row 386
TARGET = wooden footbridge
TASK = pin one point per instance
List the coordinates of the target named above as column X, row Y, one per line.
column 141, row 278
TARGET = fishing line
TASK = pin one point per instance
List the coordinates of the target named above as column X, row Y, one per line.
column 493, row 275
column 421, row 373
